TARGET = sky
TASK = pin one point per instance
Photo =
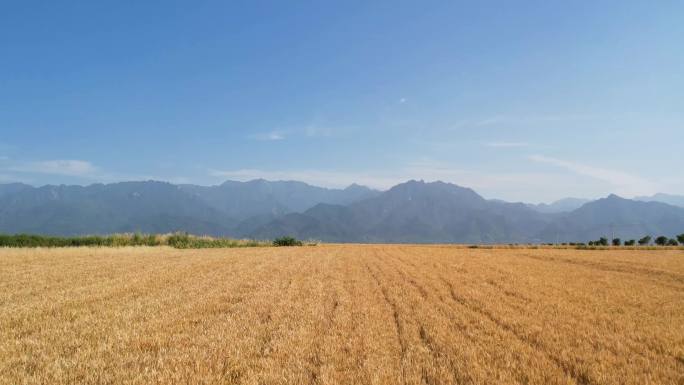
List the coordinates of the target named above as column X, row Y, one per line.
column 524, row 101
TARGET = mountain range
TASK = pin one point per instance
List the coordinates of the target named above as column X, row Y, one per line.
column 414, row 211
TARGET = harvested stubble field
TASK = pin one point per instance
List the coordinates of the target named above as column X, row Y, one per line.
column 333, row 314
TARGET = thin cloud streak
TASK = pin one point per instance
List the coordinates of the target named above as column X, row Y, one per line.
column 507, row 144
column 268, row 136
column 18, row 172
column 518, row 120
column 309, row 131
column 65, row 167
column 623, row 183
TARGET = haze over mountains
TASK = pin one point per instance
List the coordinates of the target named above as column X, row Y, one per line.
column 414, row 211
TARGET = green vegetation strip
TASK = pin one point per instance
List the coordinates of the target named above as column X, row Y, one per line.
column 178, row 240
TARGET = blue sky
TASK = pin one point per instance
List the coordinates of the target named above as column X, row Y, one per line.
column 528, row 101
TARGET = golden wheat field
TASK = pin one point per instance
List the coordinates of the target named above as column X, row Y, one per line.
column 341, row 314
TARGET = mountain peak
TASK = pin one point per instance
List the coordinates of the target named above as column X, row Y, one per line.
column 436, row 185
column 258, row 181
column 437, row 191
column 357, row 187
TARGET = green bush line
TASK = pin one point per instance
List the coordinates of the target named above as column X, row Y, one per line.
column 178, row 240
column 186, row 241
column 287, row 241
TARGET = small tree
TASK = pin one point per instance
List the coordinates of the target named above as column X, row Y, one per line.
column 631, row 242
column 645, row 240
column 672, row 242
column 603, row 241
column 661, row 240
column 617, row 242
column 680, row 238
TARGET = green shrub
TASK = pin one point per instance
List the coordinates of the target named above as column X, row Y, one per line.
column 287, row 241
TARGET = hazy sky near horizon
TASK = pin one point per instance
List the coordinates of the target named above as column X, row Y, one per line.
column 525, row 100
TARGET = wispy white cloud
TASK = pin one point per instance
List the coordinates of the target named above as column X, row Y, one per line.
column 268, row 136
column 402, row 100
column 623, row 183
column 313, row 130
column 31, row 171
column 496, row 120
column 506, row 144
column 66, row 167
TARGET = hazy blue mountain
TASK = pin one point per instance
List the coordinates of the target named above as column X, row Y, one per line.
column 442, row 212
column 413, row 212
column 559, row 206
column 249, row 201
column 232, row 208
column 624, row 218
column 152, row 207
column 674, row 200
column 12, row 188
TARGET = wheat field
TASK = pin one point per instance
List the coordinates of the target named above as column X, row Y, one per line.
column 341, row 314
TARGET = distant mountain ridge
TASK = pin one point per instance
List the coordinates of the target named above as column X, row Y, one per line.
column 613, row 215
column 559, row 206
column 98, row 209
column 419, row 212
column 12, row 188
column 232, row 208
column 674, row 200
column 414, row 211
column 243, row 200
